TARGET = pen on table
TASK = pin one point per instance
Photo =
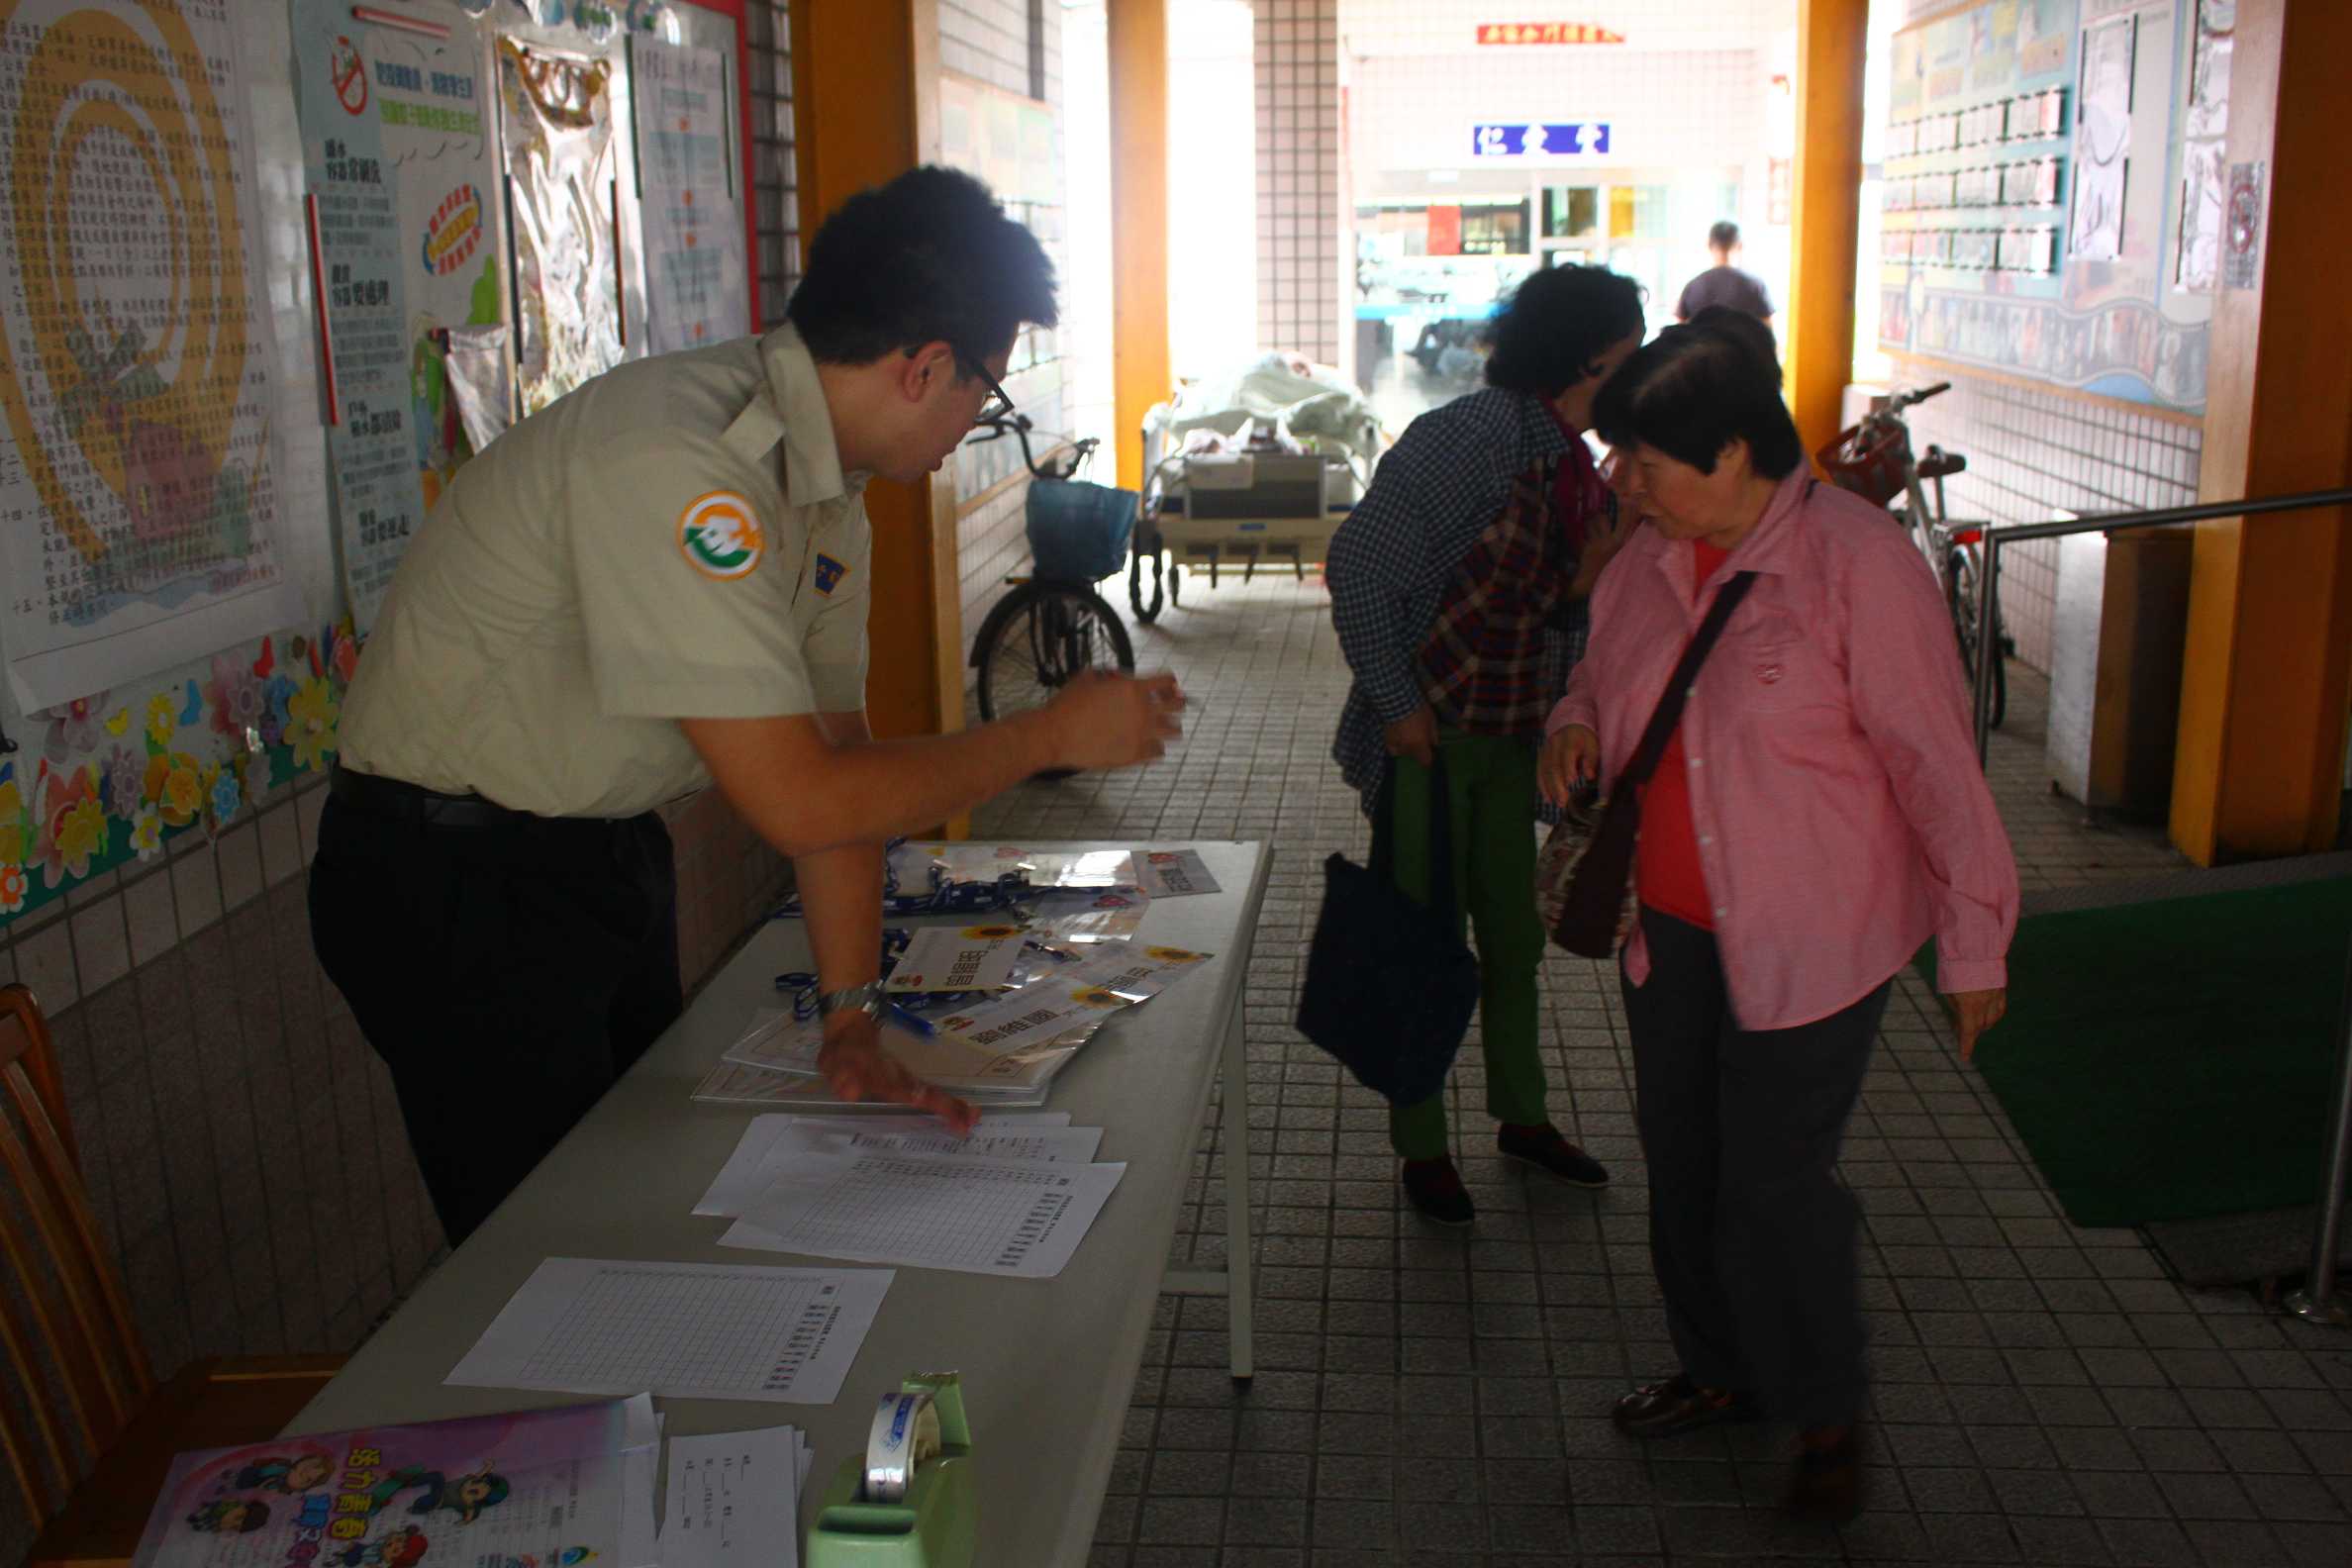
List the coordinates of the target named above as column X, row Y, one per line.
column 911, row 1020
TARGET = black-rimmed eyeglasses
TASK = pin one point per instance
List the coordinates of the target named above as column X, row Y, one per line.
column 999, row 404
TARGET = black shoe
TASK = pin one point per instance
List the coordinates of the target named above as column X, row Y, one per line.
column 1435, row 1189
column 1677, row 1406
column 1545, row 1148
column 1825, row 1488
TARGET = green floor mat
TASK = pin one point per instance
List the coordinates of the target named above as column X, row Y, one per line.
column 2175, row 1060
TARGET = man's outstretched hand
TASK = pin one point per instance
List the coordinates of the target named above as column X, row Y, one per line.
column 856, row 1067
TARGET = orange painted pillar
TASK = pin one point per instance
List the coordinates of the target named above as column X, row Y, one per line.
column 1825, row 212
column 2268, row 668
column 865, row 84
column 1139, row 49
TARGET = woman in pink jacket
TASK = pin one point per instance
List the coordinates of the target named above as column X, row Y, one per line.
column 1818, row 814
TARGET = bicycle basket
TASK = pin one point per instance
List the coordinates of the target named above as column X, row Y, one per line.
column 1872, row 470
column 1078, row 531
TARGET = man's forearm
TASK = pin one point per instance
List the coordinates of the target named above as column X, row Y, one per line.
column 806, row 797
column 841, row 896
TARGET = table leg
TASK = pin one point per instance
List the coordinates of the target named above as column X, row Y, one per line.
column 1238, row 1265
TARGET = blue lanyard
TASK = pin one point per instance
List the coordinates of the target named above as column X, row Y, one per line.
column 942, row 897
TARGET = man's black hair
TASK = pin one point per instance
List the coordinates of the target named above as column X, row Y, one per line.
column 1695, row 388
column 929, row 258
column 1723, row 236
column 1556, row 324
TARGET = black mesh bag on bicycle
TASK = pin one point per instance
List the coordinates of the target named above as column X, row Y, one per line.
column 1078, row 531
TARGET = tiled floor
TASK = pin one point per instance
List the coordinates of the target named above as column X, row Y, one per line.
column 2043, row 1393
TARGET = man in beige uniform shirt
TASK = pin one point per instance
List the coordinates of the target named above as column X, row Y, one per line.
column 660, row 582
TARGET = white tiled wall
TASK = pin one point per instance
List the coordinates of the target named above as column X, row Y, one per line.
column 997, row 41
column 1302, row 204
column 2032, row 454
column 991, row 40
column 774, row 180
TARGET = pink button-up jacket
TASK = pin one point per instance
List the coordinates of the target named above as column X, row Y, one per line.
column 1840, row 813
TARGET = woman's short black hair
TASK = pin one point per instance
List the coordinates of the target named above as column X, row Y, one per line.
column 929, row 258
column 1555, row 324
column 1695, row 388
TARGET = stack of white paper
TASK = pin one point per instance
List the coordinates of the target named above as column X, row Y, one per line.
column 734, row 1498
column 750, row 1169
column 682, row 1330
column 1016, row 1199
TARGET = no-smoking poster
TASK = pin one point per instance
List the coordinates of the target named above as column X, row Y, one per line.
column 396, row 128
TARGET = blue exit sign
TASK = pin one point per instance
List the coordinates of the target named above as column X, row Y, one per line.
column 1571, row 138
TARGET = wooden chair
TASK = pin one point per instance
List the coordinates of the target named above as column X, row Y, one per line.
column 74, row 1356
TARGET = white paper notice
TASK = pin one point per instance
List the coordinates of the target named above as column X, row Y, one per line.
column 977, row 957
column 693, row 1331
column 740, row 1179
column 1172, row 873
column 733, row 1500
column 1018, row 1218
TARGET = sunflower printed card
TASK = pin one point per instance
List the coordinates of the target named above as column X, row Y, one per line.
column 977, row 957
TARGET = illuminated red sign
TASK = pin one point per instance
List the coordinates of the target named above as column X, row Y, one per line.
column 1547, row 33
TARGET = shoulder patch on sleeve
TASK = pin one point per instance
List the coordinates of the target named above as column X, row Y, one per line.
column 720, row 535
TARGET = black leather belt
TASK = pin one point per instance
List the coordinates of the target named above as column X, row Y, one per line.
column 406, row 801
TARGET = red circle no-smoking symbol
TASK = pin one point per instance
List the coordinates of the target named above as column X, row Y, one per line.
column 350, row 75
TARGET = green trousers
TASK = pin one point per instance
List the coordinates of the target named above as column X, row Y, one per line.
column 1490, row 783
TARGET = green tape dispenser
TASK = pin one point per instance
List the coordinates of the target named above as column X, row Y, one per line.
column 909, row 1500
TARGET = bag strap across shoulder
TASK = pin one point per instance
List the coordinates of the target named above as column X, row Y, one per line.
column 1668, row 713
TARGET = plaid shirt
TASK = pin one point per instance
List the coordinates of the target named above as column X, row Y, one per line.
column 1440, row 489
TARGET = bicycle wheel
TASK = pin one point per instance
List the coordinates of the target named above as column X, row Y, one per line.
column 1036, row 639
column 1961, row 575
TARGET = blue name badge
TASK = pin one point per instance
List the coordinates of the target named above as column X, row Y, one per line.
column 830, row 573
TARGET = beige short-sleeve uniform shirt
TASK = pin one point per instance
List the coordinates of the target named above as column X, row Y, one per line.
column 675, row 540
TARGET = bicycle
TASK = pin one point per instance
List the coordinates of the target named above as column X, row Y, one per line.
column 1053, row 626
column 1874, row 459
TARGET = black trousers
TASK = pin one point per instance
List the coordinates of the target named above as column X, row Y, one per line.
column 1751, row 1233
column 507, row 974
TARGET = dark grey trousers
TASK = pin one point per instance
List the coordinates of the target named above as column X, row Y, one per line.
column 1751, row 1233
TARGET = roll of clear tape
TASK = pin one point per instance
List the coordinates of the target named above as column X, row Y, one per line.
column 906, row 1432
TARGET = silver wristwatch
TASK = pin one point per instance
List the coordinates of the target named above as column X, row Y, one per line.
column 866, row 999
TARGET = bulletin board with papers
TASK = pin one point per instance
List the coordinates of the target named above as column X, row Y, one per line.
column 263, row 305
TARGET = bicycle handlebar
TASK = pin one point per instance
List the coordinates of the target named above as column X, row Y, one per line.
column 1903, row 399
column 1019, row 426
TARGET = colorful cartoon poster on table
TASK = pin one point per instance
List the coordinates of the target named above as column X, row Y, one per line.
column 139, row 514
column 561, row 166
column 396, row 130
column 697, row 291
column 565, row 1488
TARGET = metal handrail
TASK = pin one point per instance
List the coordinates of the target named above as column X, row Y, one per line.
column 2315, row 1301
column 1996, row 537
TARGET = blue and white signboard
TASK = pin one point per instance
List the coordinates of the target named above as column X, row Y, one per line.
column 1573, row 139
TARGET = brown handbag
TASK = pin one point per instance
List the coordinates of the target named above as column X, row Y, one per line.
column 1585, row 872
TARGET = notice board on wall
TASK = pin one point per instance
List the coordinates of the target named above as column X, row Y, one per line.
column 140, row 514
column 400, row 163
column 263, row 312
column 2044, row 213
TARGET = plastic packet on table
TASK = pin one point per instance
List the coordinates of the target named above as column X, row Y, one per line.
column 788, row 1048
column 987, row 863
column 736, row 1083
column 1082, row 918
column 1099, row 984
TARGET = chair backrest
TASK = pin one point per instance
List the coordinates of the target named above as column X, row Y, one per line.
column 73, row 1355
